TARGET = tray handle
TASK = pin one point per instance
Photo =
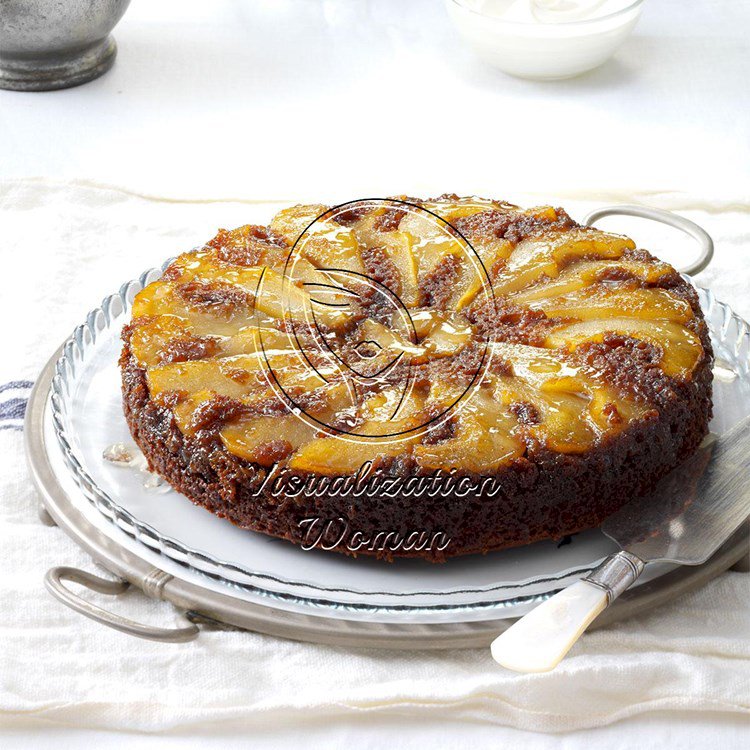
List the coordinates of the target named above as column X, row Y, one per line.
column 690, row 228
column 54, row 583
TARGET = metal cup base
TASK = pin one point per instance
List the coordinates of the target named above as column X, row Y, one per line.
column 57, row 70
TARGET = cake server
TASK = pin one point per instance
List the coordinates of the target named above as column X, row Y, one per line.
column 685, row 520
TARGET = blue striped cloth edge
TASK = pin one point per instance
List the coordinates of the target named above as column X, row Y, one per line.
column 14, row 396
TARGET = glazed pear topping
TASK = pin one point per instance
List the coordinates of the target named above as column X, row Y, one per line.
column 334, row 338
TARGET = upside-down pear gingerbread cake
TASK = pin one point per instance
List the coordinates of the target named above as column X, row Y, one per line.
column 456, row 366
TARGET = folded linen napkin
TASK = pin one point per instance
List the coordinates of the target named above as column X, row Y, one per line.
column 66, row 245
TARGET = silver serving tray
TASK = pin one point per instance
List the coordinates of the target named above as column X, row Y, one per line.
column 73, row 414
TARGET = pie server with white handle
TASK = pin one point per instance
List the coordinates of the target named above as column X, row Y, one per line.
column 685, row 520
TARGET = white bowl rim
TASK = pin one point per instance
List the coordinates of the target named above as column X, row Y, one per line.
column 622, row 11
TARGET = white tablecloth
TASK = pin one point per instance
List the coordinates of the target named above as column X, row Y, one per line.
column 333, row 100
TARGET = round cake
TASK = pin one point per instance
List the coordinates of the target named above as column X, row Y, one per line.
column 409, row 378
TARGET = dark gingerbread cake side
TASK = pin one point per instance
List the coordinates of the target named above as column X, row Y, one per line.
column 544, row 497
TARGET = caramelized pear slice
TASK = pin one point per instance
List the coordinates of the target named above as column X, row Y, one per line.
column 389, row 413
column 604, row 302
column 430, row 241
column 257, row 339
column 266, row 440
column 681, row 349
column 481, row 270
column 537, row 257
column 441, row 334
column 338, row 455
column 161, row 298
column 586, row 273
column 457, row 209
column 572, row 408
column 556, row 416
column 390, row 340
column 294, row 371
column 380, row 434
column 593, row 404
column 476, row 277
column 291, row 222
column 483, row 439
column 232, row 376
column 238, row 376
column 329, row 245
column 152, row 336
column 280, row 298
column 531, row 363
column 185, row 266
column 398, row 246
column 433, row 244
column 203, row 267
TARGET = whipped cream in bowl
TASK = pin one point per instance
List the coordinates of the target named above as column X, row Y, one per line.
column 545, row 39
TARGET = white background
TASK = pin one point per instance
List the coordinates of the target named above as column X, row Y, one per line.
column 320, row 99
column 335, row 99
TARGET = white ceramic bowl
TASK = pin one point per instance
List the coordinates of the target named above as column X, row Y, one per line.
column 543, row 51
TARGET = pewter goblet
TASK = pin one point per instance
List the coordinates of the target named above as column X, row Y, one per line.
column 53, row 45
